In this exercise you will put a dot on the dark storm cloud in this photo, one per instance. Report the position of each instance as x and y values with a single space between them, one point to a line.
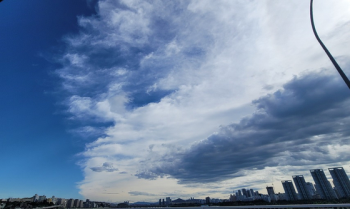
293 126
108 167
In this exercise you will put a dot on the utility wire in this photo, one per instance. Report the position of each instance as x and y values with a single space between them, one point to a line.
340 71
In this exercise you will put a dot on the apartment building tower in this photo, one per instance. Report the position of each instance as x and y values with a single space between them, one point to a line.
323 187
340 181
303 190
289 190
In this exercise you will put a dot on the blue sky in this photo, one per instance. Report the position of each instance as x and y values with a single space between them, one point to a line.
139 100
37 149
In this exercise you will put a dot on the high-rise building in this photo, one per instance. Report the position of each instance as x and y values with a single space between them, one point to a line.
323 187
54 200
233 198
271 193
340 181
76 203
311 188
36 198
70 203
61 201
270 190
303 191
249 194
207 200
244 191
252 192
87 204
168 201
289 190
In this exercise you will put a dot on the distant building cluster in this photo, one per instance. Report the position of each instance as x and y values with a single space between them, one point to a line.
322 189
192 201
251 195
67 203
166 202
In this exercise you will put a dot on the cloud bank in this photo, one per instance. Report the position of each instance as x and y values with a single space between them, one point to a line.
189 95
304 124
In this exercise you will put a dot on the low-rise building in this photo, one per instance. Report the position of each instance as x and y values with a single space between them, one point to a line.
27 199
42 198
14 200
2 205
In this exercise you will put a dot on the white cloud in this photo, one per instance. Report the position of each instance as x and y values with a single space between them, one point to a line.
169 74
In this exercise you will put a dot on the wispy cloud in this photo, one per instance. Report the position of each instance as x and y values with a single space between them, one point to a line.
88 131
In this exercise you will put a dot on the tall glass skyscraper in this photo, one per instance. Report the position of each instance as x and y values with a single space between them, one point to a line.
323 187
289 190
340 181
302 188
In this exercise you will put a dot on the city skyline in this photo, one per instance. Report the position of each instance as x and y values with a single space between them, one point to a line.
133 100
299 191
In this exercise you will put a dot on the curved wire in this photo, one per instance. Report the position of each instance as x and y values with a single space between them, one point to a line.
340 71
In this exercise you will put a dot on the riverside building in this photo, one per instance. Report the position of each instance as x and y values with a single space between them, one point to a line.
302 187
289 190
340 181
323 187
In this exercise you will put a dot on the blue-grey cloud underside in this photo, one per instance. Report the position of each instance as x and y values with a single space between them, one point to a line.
290 127
107 167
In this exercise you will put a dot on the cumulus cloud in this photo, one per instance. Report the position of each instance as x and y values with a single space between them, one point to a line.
174 81
108 167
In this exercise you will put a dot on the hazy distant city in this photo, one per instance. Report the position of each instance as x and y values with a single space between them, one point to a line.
321 189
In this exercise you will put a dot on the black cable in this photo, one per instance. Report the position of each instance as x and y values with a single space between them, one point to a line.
340 71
